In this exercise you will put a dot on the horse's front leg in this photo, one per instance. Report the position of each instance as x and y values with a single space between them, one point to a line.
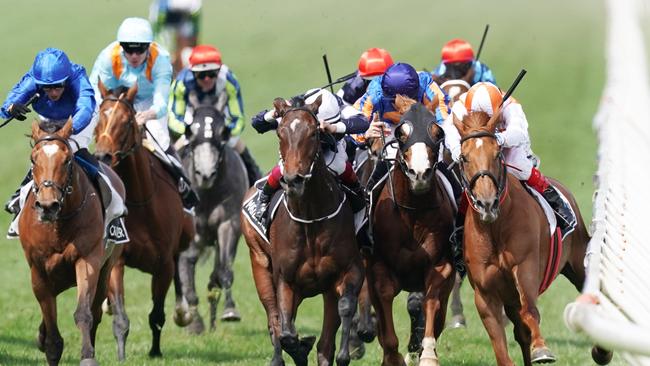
187 273
229 233
287 305
121 322
182 314
87 272
331 322
490 307
49 339
457 316
160 282
438 285
348 292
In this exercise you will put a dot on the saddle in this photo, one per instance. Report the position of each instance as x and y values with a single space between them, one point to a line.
251 206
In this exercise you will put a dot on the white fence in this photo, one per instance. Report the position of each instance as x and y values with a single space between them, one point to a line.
614 308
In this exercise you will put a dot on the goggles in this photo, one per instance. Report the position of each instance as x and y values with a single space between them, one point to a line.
131 48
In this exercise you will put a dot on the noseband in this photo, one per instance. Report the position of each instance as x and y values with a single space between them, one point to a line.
67 188
121 154
500 182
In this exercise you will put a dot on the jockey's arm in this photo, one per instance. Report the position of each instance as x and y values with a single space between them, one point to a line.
352 121
103 68
516 126
438 100
264 121
235 105
483 73
20 93
85 106
176 107
452 137
162 78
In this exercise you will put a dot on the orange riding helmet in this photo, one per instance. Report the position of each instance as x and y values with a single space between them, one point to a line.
204 58
457 50
374 62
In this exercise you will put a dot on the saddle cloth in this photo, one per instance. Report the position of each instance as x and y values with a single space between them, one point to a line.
114 210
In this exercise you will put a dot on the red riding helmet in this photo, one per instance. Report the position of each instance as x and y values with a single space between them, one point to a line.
205 57
374 62
457 50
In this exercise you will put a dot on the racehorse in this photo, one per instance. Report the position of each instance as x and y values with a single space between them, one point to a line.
507 244
312 246
158 227
412 221
218 174
61 231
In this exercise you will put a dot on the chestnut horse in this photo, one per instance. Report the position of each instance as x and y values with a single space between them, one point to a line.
412 221
61 230
507 243
312 246
158 227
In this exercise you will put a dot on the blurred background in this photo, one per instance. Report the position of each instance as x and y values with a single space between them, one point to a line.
275 49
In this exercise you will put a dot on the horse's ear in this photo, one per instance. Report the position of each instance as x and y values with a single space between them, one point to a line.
102 88
313 107
492 122
460 126
402 103
281 106
36 130
130 94
66 131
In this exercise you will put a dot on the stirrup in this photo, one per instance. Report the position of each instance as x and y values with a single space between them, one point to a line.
13 205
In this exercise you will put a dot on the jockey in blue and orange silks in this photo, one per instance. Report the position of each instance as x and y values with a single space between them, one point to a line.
400 78
135 58
457 60
64 92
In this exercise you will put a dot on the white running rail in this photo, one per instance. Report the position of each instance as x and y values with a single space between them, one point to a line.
614 308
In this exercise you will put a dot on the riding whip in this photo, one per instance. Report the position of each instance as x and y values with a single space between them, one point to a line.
327 70
480 47
29 102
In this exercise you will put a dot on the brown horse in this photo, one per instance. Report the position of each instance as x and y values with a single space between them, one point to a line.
158 227
61 231
507 243
312 244
412 222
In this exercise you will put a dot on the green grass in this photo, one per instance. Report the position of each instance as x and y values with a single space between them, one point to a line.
275 49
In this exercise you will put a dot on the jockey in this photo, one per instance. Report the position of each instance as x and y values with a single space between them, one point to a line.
208 76
64 92
334 118
372 63
458 59
512 136
174 19
135 58
378 100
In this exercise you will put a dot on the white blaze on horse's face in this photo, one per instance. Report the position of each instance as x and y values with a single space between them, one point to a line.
50 150
205 167
419 158
479 143
294 124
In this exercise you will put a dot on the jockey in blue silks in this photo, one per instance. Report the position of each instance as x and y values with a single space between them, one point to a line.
64 92
135 58
458 59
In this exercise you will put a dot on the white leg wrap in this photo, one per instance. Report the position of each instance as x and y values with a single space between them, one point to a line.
428 350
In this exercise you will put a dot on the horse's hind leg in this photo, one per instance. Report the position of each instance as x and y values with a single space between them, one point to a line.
182 314
457 316
229 233
347 304
121 322
367 322
187 273
49 338
88 274
160 282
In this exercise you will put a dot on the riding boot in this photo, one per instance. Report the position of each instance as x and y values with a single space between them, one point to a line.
263 200
12 206
254 173
381 169
456 241
566 219
188 196
358 199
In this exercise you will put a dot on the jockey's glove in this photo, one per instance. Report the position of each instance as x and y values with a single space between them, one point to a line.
500 139
18 111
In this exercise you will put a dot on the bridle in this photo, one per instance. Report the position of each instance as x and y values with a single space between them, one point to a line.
309 173
66 189
123 151
209 133
501 182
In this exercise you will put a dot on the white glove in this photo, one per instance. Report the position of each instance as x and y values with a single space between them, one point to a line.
500 139
455 154
270 116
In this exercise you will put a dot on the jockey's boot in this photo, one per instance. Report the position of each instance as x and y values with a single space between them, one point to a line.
564 213
263 200
351 182
456 241
12 206
254 173
188 196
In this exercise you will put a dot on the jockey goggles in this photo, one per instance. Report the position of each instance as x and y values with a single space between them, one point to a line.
53 86
134 47
200 75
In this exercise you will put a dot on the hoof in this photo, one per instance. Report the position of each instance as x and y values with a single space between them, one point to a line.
40 341
367 335
88 362
230 315
542 355
307 343
197 326
429 362
457 322
182 317
106 308
412 358
155 354
357 350
601 356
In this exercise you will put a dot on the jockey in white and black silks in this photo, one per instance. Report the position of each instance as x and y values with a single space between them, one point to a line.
335 119
64 92
208 77
135 58
512 136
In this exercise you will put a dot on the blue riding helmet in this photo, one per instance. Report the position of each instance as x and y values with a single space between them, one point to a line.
401 78
51 66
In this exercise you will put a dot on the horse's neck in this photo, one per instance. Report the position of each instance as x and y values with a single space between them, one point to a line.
136 173
321 195
80 186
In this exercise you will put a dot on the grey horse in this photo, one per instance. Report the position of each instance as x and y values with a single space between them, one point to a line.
218 174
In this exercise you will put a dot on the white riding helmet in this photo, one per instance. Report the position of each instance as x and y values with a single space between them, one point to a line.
135 30
329 110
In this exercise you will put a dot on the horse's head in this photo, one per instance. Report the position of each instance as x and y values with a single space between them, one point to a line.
117 134
419 138
299 135
483 170
52 160
207 136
